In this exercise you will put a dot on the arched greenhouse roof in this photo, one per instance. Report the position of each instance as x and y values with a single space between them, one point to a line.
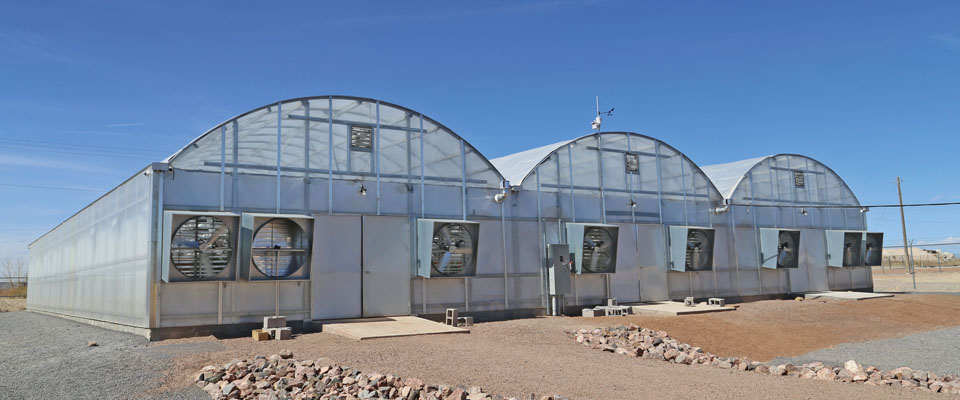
777 178
296 134
518 166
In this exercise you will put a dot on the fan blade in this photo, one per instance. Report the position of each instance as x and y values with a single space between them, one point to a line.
593 260
444 261
462 250
216 235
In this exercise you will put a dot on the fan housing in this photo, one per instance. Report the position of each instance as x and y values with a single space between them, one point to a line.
199 246
447 248
780 248
594 247
691 248
276 246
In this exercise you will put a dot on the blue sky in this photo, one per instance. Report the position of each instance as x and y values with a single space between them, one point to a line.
872 89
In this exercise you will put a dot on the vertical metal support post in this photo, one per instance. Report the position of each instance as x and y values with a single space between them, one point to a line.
463 178
155 276
665 231
544 289
423 200
306 156
220 302
223 161
377 160
503 243
736 252
276 298
573 197
279 137
756 233
686 217
235 190
603 199
774 175
330 155
633 213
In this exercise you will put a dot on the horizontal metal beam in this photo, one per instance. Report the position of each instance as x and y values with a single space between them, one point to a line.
597 189
357 123
642 153
349 173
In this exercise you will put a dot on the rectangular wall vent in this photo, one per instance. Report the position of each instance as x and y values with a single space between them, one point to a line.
632 163
361 138
798 179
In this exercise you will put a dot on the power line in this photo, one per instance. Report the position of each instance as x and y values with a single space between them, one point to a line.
860 207
73 145
52 188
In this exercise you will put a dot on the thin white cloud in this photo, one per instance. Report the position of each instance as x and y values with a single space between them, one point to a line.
36 45
947 40
123 125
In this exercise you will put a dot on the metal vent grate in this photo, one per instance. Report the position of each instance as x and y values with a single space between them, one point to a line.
280 247
361 137
201 247
632 162
798 179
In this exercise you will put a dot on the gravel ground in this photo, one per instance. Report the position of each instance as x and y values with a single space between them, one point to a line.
928 280
48 358
511 358
935 351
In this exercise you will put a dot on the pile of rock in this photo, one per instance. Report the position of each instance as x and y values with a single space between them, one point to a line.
641 342
281 377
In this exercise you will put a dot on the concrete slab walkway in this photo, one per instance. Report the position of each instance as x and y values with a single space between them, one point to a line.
371 328
675 308
847 295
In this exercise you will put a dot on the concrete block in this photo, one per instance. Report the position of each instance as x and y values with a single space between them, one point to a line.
452 317
716 301
689 302
281 333
465 321
593 312
274 322
611 302
260 335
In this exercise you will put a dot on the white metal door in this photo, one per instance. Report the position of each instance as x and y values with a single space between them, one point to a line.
386 266
336 277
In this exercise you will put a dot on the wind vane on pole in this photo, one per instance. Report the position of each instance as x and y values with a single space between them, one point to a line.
598 120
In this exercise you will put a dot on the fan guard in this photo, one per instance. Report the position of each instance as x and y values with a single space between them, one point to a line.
597 250
201 247
279 248
787 247
452 250
698 250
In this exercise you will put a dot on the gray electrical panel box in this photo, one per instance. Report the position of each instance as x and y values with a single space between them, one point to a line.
558 255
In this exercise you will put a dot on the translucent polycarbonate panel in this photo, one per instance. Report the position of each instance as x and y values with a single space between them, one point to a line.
479 171
319 136
614 161
672 173
441 155
97 263
280 248
293 139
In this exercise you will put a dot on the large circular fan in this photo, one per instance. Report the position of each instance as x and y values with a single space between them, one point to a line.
201 247
787 256
279 248
452 251
698 250
874 247
597 250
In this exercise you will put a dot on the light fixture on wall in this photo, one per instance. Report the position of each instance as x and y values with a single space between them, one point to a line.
803 211
363 190
864 209
632 203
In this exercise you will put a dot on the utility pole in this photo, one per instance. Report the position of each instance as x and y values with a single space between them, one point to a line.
906 251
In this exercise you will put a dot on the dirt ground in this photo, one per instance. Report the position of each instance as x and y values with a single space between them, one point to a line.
928 280
536 356
8 304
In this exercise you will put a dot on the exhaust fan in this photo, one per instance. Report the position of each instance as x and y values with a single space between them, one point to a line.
594 247
844 248
447 248
780 248
691 248
276 247
199 247
873 249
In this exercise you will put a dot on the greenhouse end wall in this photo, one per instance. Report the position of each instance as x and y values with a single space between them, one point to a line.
97 264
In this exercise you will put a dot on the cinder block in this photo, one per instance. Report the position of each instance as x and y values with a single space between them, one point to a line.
611 302
274 322
260 335
689 302
716 301
452 317
281 333
465 321
593 312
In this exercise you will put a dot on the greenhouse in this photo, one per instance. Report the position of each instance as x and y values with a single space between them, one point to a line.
797 226
337 207
313 208
644 199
